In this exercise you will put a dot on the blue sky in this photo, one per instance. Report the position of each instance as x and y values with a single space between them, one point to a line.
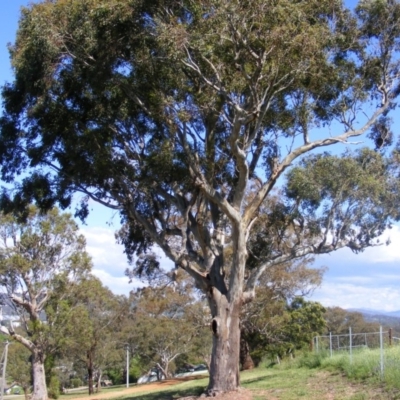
8 25
368 280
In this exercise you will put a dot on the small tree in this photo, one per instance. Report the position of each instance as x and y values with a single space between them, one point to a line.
306 321
264 320
160 326
40 262
19 368
92 325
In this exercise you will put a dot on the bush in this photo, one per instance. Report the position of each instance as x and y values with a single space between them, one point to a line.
116 375
135 370
76 382
54 388
306 360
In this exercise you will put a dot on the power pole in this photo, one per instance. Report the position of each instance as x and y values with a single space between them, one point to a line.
3 366
127 366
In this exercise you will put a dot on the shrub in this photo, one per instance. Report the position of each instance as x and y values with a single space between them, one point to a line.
311 360
54 388
76 382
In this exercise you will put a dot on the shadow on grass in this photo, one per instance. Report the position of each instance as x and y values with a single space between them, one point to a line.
259 379
171 394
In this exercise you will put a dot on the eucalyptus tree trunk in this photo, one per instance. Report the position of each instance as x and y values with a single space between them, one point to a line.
225 300
98 383
164 371
89 367
39 377
224 366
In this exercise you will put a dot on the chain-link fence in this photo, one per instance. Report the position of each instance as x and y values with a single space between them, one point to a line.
351 342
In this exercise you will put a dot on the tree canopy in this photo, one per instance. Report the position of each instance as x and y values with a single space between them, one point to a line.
185 115
41 260
93 322
268 322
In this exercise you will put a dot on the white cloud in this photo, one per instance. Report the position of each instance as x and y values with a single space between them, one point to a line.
118 285
349 295
367 280
356 280
388 253
372 255
109 260
107 255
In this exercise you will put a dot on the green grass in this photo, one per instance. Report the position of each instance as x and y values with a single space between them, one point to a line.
311 376
365 365
189 388
74 394
285 382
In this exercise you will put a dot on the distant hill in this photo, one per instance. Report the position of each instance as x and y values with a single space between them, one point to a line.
388 319
366 311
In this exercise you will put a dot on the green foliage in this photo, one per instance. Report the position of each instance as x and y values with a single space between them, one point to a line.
135 370
76 382
44 259
93 320
19 365
166 326
338 321
343 190
310 359
116 375
54 388
49 364
306 321
282 329
161 329
107 103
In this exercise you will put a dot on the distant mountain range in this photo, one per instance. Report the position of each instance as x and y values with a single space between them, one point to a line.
385 318
369 312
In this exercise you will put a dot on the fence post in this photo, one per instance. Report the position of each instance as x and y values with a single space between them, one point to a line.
330 342
381 349
316 344
390 336
351 346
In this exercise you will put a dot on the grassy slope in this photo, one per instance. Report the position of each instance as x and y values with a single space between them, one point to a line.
311 377
284 384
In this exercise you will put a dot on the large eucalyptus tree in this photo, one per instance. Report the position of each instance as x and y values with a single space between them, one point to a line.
174 112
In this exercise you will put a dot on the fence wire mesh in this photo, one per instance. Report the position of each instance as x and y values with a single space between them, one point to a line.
345 342
382 341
